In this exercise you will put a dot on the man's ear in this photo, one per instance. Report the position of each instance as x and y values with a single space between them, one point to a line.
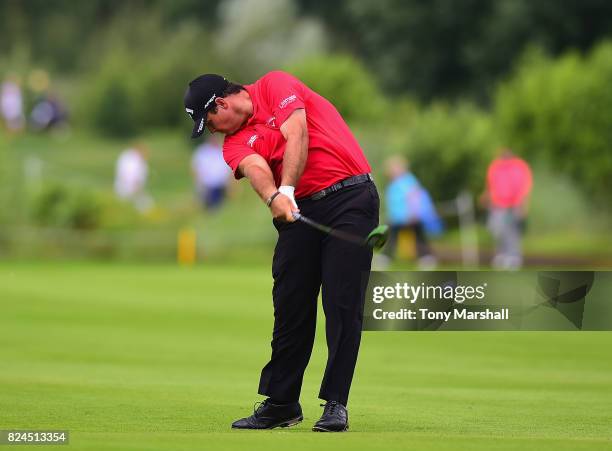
221 102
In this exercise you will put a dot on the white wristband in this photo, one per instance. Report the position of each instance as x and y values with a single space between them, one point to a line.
288 191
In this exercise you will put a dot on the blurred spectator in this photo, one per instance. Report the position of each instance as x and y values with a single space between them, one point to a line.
211 173
131 177
409 207
47 113
11 104
509 183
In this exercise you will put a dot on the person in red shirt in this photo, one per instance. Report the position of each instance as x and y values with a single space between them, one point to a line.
299 156
509 183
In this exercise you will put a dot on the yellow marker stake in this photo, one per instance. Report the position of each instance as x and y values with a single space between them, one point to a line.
406 245
186 251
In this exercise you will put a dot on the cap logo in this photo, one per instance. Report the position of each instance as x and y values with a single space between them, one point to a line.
214 96
201 126
190 112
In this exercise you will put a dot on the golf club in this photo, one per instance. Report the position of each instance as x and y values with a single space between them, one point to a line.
376 238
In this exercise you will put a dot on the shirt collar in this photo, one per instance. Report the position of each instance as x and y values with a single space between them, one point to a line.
254 101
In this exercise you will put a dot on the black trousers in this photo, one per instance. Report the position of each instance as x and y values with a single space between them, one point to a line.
305 261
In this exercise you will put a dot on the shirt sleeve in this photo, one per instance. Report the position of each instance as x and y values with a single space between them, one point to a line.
234 153
284 94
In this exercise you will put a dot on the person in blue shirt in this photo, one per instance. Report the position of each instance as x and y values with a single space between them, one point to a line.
409 206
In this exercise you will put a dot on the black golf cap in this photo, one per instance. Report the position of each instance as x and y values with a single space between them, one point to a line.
200 99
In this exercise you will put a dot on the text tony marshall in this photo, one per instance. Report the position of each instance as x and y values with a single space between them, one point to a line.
423 313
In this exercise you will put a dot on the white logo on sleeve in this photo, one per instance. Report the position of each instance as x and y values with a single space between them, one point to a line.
287 101
252 140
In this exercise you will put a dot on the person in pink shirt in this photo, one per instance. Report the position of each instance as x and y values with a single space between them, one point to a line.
509 183
299 155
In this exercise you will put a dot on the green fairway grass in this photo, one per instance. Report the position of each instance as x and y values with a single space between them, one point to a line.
151 357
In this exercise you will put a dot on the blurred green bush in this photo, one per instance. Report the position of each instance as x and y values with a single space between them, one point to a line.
560 111
448 147
138 78
58 206
345 82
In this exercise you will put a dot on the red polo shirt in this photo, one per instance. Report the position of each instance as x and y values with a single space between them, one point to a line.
509 181
333 151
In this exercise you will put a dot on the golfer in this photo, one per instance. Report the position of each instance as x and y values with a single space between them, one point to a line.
300 156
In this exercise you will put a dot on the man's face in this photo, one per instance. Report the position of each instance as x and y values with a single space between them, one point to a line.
226 119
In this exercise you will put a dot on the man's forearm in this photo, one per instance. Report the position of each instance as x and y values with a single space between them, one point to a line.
260 175
294 159
262 181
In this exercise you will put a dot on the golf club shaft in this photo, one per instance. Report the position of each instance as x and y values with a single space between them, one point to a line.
333 232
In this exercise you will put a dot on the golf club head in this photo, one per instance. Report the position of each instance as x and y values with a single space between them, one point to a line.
378 237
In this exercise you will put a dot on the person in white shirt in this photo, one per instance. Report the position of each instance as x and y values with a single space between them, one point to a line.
131 177
11 104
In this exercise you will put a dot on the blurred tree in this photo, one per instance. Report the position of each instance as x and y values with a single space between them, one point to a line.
204 12
344 81
137 73
448 148
439 48
254 41
450 48
560 111
56 32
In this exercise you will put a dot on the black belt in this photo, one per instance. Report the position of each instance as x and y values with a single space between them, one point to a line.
355 180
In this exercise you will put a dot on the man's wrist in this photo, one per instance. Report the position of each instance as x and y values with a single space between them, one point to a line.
288 191
270 199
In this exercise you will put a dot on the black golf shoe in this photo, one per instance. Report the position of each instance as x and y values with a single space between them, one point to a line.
334 418
267 415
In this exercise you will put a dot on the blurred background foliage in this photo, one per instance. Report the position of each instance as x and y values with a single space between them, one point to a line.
560 110
443 82
450 48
